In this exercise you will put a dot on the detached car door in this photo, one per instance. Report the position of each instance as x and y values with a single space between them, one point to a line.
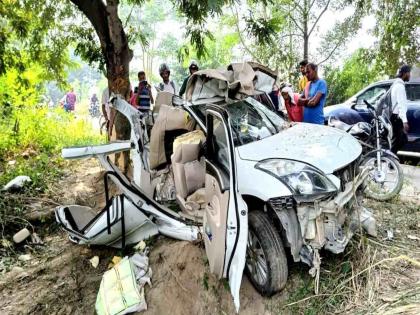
226 215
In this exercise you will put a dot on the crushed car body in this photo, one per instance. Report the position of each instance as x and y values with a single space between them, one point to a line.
246 181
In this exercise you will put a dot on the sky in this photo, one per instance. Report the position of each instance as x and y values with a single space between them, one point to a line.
363 38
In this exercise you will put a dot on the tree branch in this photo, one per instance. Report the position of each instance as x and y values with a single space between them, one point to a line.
296 23
319 16
95 11
288 35
330 54
297 5
311 5
240 34
129 15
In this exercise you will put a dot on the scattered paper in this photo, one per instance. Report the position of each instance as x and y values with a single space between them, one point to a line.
25 257
114 261
414 238
94 261
140 246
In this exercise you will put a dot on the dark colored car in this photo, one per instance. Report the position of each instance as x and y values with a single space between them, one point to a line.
372 93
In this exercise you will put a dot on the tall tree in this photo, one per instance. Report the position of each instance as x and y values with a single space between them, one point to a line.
398 33
114 45
34 30
113 41
293 23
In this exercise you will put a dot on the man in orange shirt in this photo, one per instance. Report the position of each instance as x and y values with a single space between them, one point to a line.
303 80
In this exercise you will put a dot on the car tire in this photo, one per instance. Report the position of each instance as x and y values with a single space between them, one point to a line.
265 252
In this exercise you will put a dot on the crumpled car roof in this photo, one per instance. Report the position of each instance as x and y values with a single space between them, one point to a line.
238 81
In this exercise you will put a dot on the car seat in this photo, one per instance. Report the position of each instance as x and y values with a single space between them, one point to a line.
189 172
170 123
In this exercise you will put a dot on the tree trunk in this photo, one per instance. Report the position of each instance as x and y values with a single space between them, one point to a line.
114 44
305 30
117 55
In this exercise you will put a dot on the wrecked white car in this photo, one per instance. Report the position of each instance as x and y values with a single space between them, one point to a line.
243 179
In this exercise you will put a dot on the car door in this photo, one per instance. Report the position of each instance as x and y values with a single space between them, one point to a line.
413 117
225 219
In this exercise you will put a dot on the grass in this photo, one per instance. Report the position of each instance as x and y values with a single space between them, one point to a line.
374 275
31 143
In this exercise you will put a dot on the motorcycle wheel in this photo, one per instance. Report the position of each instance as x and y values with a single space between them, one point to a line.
392 178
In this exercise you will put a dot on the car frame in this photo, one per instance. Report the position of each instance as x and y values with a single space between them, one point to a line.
254 209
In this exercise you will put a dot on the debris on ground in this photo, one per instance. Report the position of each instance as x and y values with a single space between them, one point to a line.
140 246
114 261
389 235
122 287
28 153
35 239
413 237
94 261
17 183
25 257
22 235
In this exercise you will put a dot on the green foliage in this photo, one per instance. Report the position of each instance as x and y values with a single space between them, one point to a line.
27 124
398 34
357 72
263 29
34 30
196 13
219 51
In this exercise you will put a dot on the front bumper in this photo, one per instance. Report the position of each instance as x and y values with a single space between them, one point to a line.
332 223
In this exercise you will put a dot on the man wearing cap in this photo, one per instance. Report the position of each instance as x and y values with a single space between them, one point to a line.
167 85
399 108
192 68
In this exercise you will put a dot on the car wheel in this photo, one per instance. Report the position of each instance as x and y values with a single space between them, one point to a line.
392 178
266 261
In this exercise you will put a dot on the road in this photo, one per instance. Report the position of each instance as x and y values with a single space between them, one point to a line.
411 188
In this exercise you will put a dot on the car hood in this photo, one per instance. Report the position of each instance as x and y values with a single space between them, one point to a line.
326 148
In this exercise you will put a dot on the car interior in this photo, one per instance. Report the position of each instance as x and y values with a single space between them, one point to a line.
176 158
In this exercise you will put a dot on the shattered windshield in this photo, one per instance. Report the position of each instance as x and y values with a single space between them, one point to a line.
251 121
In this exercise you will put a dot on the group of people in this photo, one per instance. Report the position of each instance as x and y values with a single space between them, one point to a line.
307 105
142 97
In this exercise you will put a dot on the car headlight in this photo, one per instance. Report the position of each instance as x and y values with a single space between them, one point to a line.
301 178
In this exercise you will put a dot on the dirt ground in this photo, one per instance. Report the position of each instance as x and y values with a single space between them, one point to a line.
373 276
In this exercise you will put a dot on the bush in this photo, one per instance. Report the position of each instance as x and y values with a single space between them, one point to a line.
44 133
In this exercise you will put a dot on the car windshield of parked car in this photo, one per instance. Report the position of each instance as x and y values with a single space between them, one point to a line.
251 121
372 95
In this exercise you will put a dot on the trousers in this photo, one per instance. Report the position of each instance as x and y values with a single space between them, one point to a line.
399 138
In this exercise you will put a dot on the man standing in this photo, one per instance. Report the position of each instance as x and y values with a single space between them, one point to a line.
70 104
314 103
166 85
303 80
399 108
144 93
192 68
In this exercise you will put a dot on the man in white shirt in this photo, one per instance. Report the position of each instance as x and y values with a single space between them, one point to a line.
399 108
167 85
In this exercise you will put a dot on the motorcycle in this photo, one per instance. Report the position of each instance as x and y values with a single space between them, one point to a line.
385 178
94 108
